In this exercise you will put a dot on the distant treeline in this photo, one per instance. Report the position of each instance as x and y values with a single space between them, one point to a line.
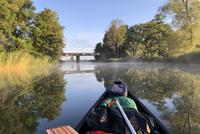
174 31
21 29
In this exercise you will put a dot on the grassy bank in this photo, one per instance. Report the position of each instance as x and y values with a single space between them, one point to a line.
20 60
191 57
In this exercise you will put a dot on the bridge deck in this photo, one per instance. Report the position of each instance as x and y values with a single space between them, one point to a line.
79 54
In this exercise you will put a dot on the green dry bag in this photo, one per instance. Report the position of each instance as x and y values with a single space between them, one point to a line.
124 101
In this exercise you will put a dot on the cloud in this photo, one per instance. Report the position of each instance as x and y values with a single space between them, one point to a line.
82 41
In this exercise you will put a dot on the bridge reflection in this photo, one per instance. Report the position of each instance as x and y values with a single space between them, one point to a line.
78 68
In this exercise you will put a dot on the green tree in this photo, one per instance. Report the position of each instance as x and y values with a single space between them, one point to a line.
186 20
148 39
16 21
48 35
98 50
114 38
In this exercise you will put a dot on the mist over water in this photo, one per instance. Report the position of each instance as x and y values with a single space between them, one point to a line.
63 96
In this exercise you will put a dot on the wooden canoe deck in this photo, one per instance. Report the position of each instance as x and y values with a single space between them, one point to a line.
62 130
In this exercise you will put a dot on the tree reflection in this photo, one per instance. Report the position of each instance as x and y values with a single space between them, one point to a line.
161 86
39 99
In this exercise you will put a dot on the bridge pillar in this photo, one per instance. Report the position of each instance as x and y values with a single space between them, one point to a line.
78 67
72 58
78 58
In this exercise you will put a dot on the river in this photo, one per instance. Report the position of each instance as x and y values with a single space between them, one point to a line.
31 102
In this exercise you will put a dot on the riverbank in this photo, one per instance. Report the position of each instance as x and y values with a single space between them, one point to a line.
193 57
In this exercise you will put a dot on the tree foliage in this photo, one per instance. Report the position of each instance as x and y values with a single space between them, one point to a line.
186 20
158 38
48 35
141 40
113 39
99 51
21 29
148 39
15 24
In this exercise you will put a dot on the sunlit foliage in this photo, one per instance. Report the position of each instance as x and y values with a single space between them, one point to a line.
173 32
21 29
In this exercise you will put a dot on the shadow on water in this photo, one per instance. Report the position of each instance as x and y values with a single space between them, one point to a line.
172 92
22 105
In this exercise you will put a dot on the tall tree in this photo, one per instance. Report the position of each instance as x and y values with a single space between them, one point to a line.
98 50
186 20
16 20
115 37
24 26
148 39
48 35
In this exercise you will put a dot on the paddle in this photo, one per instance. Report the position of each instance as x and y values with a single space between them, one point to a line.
125 117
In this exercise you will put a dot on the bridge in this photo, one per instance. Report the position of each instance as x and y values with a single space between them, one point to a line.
77 55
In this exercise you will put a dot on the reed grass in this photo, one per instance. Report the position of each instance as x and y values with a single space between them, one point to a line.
19 68
20 60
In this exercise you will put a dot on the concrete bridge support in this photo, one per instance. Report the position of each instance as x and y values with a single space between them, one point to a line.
78 58
78 67
72 58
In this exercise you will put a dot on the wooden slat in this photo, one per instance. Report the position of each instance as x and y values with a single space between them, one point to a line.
62 130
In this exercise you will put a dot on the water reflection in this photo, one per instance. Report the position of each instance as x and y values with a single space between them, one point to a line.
31 102
173 92
21 108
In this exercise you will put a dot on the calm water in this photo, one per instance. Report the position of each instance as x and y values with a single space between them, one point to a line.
31 102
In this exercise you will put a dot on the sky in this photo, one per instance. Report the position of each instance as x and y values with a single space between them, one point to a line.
86 21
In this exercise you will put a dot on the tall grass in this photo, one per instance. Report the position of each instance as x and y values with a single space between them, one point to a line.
16 60
19 69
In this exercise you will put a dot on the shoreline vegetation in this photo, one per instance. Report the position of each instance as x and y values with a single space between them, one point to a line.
28 38
21 60
192 58
171 36
19 68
